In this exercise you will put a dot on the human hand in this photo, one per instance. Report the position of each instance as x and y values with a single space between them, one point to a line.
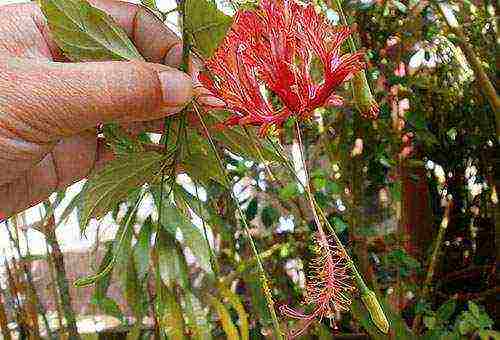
49 107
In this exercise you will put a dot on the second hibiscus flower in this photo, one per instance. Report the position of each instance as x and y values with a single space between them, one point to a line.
274 48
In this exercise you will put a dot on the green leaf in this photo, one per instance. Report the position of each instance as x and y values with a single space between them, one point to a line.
123 237
86 33
172 219
75 203
251 210
111 185
339 225
269 216
197 318
109 307
172 320
141 249
172 265
224 318
206 24
319 182
333 188
429 322
235 301
474 309
400 6
200 162
446 310
489 335
245 143
289 191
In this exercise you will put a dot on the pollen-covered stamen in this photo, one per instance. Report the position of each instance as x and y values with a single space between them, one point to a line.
329 284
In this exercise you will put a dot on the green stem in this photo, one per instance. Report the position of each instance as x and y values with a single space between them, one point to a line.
264 279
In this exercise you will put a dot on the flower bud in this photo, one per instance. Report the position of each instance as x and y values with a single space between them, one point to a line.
376 313
365 102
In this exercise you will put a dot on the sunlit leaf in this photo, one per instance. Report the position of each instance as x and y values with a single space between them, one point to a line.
172 219
86 33
172 320
112 184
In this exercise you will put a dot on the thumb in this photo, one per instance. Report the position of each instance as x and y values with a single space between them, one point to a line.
44 101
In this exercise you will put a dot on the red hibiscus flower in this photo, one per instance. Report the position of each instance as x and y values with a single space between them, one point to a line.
274 48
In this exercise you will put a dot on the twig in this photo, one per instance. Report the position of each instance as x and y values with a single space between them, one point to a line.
485 84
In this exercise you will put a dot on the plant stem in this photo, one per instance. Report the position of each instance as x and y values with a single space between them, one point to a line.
54 292
61 277
485 84
3 319
264 279
433 261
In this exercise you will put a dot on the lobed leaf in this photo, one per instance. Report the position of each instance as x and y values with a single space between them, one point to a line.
113 184
85 33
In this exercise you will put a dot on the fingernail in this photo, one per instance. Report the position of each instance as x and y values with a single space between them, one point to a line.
177 88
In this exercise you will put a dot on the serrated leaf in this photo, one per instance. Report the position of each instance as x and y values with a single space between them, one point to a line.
206 24
123 237
86 33
111 185
200 162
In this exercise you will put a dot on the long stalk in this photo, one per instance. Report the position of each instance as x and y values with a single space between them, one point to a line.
367 296
264 279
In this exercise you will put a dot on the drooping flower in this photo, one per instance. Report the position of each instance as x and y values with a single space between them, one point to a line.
275 48
328 288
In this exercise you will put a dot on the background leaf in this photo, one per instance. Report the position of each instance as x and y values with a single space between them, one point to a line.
206 24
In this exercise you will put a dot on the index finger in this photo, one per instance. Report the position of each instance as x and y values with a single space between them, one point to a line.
152 38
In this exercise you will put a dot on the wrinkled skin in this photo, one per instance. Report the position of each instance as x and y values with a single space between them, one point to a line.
50 107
